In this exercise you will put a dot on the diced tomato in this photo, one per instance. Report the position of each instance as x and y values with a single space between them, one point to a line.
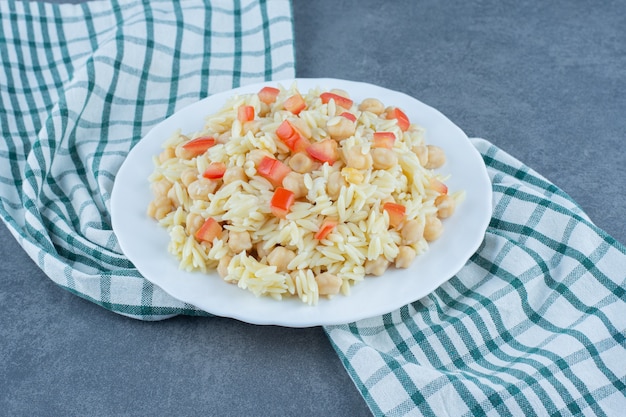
198 146
291 137
342 101
349 116
438 186
326 227
281 202
324 151
268 94
209 230
384 139
295 104
273 170
396 213
401 117
214 171
245 113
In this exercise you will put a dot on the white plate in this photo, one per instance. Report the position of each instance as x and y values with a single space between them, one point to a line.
145 243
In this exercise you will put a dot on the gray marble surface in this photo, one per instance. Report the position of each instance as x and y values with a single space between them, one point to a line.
544 81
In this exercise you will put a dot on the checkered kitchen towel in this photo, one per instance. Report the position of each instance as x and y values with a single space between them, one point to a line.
534 324
79 86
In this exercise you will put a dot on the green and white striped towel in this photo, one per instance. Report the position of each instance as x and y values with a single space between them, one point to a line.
80 85
534 324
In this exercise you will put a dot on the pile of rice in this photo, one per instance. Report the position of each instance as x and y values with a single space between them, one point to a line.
362 233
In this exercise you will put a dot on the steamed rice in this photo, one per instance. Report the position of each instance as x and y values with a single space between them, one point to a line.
362 235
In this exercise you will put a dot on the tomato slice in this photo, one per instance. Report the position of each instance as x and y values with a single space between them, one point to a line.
342 101
268 94
324 151
295 104
291 137
384 139
245 113
326 227
281 202
209 230
436 185
349 116
214 171
396 213
198 146
401 117
273 170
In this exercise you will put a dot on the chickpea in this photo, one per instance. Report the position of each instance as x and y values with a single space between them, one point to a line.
328 284
173 196
353 176
183 153
372 105
188 176
168 153
412 231
201 188
260 250
300 162
224 137
193 222
233 174
422 154
335 182
445 206
376 266
294 182
436 157
160 207
340 128
384 158
161 187
222 266
302 126
280 258
433 228
355 158
256 155
239 241
339 92
264 109
253 126
405 257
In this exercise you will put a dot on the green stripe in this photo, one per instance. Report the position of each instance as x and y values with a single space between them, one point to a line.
14 104
144 75
206 62
237 38
18 47
89 25
51 67
34 58
176 62
266 40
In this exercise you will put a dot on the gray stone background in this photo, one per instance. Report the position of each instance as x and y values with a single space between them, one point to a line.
544 81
